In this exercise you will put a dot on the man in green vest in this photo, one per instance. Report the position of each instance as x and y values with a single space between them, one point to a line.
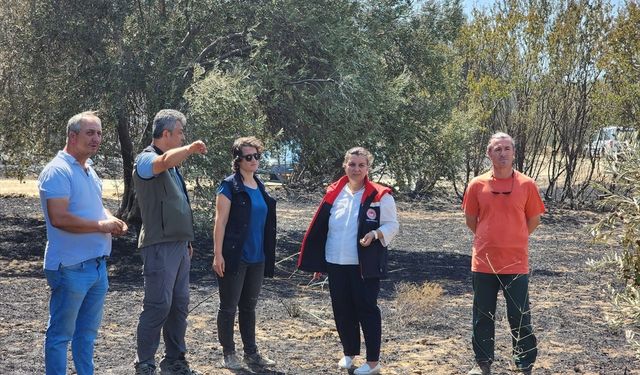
165 244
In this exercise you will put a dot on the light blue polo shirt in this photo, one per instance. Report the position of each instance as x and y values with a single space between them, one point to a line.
64 177
144 167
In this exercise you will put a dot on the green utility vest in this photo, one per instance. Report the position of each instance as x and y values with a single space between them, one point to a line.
164 207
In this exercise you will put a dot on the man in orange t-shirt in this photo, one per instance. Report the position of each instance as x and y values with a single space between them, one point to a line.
502 208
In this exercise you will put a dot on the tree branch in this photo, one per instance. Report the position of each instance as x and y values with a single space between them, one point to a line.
235 52
209 49
312 80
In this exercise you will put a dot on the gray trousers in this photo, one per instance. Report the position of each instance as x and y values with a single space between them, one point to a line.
166 300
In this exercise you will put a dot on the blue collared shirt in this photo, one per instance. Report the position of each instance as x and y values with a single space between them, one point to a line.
144 167
64 177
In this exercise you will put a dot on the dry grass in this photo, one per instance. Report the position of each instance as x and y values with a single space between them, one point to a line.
412 300
111 189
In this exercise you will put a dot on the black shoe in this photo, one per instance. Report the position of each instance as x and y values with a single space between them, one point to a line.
145 369
176 367
525 370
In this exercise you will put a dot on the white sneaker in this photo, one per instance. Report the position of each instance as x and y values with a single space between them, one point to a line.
346 362
366 370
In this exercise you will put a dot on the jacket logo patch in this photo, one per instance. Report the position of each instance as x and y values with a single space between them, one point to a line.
371 214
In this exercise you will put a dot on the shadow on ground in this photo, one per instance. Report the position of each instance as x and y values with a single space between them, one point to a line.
23 240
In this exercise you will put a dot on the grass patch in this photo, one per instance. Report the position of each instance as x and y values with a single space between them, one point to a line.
413 300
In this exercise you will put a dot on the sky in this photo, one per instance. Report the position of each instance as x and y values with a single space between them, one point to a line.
470 4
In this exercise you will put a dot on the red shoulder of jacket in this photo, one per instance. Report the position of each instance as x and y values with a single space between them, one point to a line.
334 189
380 190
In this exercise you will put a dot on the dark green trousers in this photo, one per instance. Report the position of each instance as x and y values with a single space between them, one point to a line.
515 289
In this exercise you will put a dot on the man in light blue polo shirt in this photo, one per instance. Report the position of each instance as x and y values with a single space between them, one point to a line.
79 231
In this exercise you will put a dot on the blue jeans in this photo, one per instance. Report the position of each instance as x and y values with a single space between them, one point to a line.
75 312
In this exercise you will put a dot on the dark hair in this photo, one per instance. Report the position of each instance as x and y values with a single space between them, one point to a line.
236 149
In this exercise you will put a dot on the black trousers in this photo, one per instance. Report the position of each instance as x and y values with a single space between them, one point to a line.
355 305
239 291
516 293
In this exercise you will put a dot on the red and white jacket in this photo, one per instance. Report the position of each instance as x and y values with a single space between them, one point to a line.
373 258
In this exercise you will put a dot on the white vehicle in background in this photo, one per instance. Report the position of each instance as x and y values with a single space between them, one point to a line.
279 163
611 140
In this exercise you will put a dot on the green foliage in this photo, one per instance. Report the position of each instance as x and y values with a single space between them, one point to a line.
223 107
321 84
322 76
622 223
418 85
54 63
622 65
533 69
421 91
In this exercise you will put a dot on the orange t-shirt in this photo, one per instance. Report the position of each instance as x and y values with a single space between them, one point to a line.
501 241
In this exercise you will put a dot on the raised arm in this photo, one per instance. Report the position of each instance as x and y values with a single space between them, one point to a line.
175 156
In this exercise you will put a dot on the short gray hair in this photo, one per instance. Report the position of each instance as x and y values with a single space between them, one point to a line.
501 135
74 123
166 120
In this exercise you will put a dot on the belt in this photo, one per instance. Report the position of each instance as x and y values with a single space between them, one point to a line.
82 264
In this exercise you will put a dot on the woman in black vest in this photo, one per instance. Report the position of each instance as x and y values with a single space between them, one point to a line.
243 250
348 239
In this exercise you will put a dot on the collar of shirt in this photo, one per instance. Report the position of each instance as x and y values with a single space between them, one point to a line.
71 160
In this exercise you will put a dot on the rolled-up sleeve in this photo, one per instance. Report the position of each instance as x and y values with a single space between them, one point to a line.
389 225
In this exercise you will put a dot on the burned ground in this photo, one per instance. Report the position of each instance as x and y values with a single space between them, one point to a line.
295 325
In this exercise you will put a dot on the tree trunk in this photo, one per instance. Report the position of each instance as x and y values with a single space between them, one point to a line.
129 210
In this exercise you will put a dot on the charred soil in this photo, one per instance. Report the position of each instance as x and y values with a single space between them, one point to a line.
295 325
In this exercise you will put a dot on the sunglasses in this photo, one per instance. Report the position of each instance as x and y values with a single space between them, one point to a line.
503 192
250 157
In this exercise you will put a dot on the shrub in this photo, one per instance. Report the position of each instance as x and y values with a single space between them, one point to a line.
622 224
621 199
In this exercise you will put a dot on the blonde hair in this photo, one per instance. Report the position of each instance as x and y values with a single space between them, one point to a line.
359 151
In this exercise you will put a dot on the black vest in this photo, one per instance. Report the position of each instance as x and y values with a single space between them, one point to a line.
235 232
164 207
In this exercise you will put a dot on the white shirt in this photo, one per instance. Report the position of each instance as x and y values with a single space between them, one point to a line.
342 241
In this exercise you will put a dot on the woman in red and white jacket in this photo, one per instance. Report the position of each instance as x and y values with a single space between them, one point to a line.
348 239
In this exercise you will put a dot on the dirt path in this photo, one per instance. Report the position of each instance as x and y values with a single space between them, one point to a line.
295 325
